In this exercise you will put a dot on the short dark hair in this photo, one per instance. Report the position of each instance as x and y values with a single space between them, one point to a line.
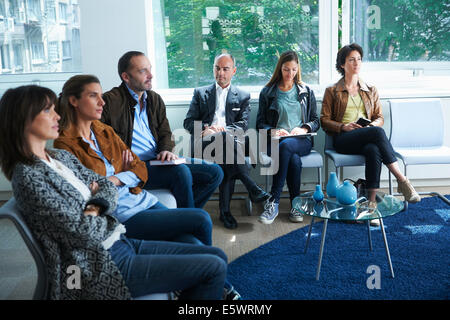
73 87
124 61
343 54
277 76
18 108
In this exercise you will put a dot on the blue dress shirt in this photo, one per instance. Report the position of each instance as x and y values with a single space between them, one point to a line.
143 142
129 203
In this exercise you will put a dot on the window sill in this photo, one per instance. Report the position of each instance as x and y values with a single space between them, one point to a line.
402 87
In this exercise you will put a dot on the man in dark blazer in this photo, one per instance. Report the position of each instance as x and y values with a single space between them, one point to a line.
221 111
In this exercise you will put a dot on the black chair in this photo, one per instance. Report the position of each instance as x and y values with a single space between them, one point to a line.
9 211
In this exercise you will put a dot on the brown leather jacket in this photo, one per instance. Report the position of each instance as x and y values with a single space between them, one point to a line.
111 146
335 102
118 112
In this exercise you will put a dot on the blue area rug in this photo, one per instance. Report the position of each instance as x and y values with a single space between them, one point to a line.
419 243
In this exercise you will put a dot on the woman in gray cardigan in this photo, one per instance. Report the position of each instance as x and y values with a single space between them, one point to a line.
68 208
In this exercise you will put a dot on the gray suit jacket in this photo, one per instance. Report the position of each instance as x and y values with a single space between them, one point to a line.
53 210
203 108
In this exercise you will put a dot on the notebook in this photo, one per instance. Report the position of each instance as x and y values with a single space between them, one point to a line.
309 134
167 163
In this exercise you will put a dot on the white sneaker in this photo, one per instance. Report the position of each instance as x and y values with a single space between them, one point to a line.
270 212
295 216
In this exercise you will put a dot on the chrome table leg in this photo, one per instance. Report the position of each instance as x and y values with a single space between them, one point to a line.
387 247
322 243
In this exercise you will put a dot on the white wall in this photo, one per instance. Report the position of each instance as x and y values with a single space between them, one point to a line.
109 29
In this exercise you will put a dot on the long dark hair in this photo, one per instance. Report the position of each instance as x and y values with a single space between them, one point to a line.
73 87
277 74
18 108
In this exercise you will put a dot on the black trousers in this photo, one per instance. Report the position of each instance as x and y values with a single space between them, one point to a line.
372 143
237 169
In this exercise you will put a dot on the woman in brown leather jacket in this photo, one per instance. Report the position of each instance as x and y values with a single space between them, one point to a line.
343 105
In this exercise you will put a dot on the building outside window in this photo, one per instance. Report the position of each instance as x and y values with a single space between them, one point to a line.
53 51
4 51
2 8
50 10
34 39
63 12
34 10
37 52
66 50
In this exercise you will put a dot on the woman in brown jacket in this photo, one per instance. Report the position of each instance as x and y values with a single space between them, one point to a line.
344 105
100 149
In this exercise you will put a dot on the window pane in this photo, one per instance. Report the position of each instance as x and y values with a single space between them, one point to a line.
33 40
402 30
255 32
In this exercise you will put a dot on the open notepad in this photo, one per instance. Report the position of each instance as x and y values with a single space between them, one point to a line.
309 134
167 163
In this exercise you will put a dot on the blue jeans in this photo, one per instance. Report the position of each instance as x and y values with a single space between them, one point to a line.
157 266
189 225
192 184
290 166
186 225
372 143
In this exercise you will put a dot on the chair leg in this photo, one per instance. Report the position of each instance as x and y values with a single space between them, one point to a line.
405 202
319 173
391 188
248 204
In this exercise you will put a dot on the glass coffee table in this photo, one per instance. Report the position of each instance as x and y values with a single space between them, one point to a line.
330 209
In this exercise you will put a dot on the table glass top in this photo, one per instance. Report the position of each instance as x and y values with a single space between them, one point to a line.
387 205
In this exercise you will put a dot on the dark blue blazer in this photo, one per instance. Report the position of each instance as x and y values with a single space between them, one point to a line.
203 108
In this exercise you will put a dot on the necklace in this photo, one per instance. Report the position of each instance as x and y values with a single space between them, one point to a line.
358 107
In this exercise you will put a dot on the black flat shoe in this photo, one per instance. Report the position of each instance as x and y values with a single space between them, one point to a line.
228 220
258 195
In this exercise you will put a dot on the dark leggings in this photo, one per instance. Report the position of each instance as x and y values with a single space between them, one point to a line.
372 143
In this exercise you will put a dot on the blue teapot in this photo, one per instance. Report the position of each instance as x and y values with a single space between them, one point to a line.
346 193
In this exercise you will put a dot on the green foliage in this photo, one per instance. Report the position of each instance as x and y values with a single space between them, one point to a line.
256 39
410 30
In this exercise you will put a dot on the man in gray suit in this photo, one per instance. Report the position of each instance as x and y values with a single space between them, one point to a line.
221 111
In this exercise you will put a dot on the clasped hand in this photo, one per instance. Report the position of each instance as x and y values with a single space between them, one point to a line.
209 130
350 126
284 133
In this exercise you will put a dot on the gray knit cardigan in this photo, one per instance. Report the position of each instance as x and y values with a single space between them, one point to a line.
53 210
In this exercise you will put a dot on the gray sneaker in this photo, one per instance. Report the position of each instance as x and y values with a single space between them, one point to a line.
295 216
270 212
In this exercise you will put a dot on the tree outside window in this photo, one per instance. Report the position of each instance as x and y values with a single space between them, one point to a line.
255 32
